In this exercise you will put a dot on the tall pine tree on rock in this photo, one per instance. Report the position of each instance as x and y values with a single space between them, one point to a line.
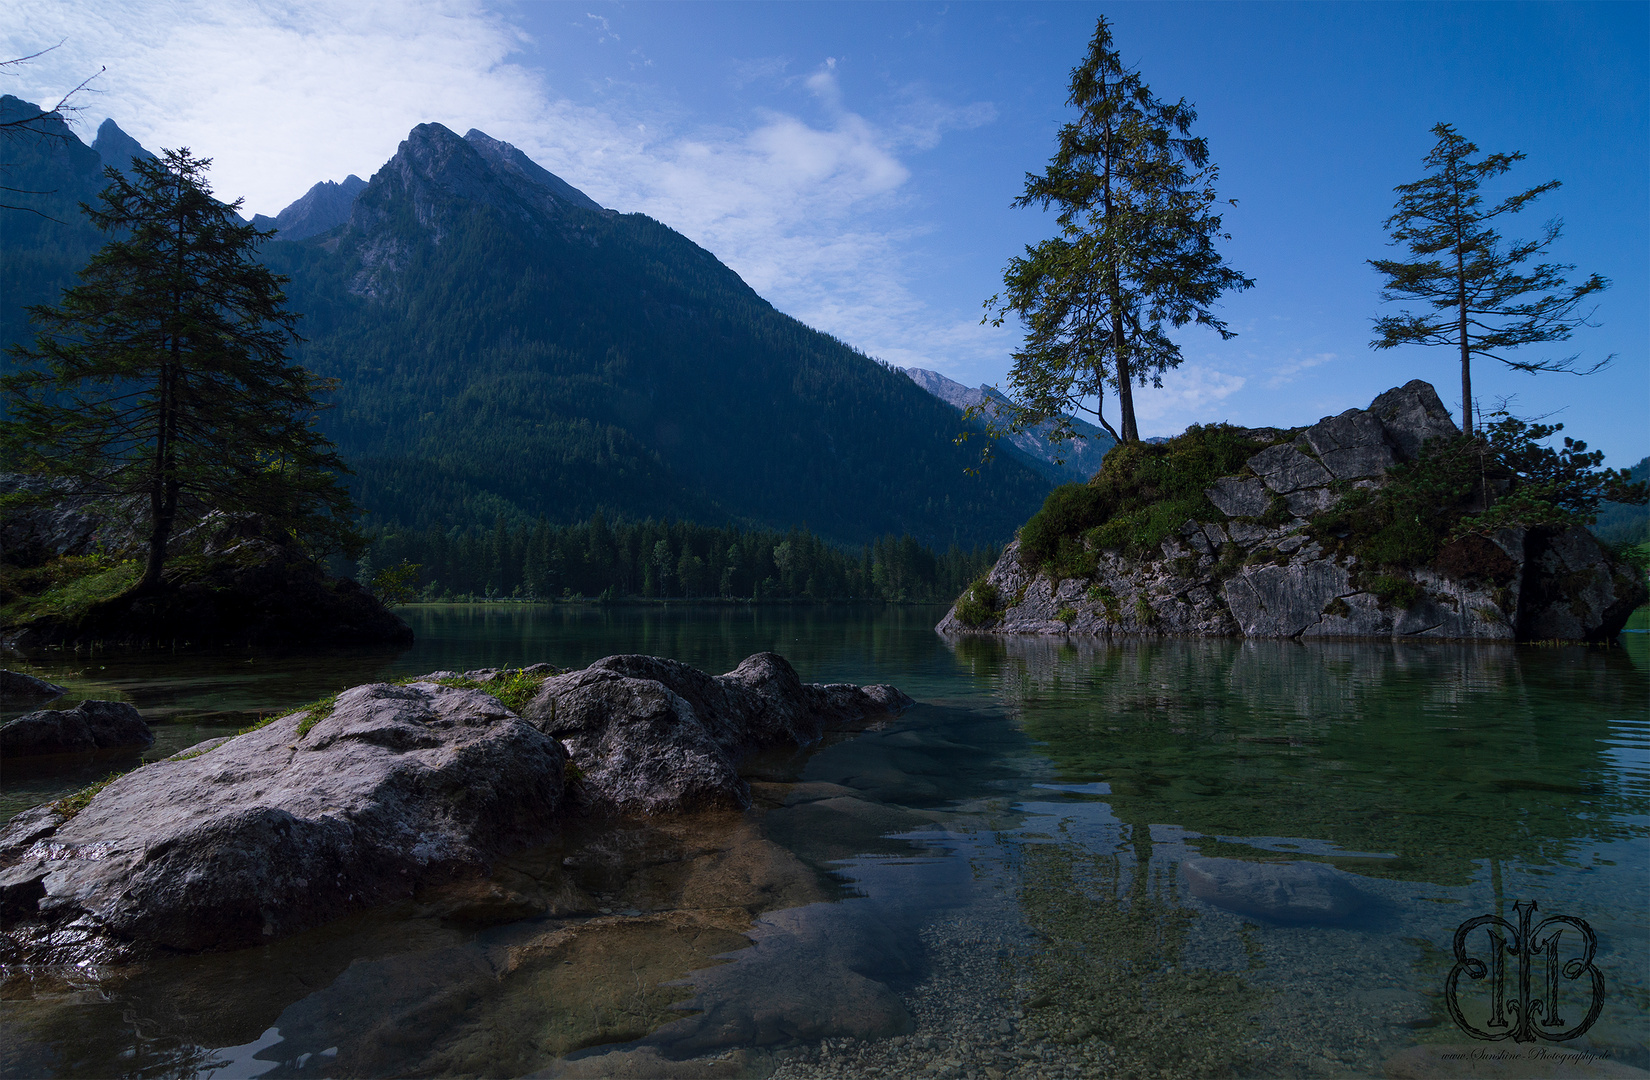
1484 299
164 374
1135 255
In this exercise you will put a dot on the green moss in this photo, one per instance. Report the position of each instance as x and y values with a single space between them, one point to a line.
1067 615
64 588
1143 610
1338 607
977 606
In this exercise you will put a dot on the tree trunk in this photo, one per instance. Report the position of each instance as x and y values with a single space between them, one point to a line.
1125 390
1466 369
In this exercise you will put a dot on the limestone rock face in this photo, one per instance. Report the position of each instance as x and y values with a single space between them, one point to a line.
1410 415
91 725
1245 575
279 830
650 735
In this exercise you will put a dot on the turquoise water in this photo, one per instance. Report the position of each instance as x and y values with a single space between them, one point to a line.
1004 880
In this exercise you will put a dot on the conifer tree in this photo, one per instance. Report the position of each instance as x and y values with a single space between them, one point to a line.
164 374
1135 255
1471 278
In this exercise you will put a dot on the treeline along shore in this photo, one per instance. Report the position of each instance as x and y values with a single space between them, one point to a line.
663 559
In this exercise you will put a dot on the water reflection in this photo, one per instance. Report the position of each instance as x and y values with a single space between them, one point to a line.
1038 868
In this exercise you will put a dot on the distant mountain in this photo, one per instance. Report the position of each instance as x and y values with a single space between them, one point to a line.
324 206
507 349
1062 463
1621 523
116 148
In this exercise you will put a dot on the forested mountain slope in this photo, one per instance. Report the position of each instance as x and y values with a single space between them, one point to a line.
507 347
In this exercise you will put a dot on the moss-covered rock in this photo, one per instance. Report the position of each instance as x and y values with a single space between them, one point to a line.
1383 522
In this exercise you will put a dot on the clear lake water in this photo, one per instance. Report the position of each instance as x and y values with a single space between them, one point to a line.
1071 857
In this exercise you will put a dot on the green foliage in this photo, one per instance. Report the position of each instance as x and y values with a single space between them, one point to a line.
977 606
1395 589
164 372
64 588
396 584
514 689
1471 279
1066 614
1106 597
1135 255
1142 494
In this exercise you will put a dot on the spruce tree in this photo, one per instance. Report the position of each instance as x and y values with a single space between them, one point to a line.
163 375
1135 255
1473 280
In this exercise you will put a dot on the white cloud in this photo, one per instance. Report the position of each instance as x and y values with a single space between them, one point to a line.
1190 395
281 95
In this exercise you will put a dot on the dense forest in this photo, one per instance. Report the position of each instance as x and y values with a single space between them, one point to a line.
503 346
666 559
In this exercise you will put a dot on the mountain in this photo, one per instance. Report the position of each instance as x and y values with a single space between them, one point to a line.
116 149
1624 523
324 206
1062 463
506 348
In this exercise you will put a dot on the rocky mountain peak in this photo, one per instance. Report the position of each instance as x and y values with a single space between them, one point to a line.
509 161
324 206
116 148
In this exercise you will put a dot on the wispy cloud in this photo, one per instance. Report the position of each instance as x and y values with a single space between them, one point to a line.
810 206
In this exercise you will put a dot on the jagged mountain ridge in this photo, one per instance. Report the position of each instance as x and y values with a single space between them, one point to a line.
506 348
1071 462
325 206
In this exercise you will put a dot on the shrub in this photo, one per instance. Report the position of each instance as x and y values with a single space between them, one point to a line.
978 604
1106 596
1066 615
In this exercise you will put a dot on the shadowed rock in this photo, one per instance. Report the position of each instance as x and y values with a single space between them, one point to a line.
16 686
282 829
651 735
91 725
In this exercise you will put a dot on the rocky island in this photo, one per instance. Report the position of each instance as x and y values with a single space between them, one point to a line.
1377 523
69 561
387 788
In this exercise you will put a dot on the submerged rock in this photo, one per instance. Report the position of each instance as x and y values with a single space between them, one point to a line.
650 735
283 828
89 726
1266 569
1291 892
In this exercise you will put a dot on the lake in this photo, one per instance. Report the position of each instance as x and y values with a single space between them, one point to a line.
1071 857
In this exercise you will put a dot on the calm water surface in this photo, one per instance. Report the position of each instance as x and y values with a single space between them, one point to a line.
1005 878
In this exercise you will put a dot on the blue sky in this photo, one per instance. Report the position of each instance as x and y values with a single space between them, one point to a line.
855 162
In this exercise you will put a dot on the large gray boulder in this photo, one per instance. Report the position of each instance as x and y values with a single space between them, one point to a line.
649 735
282 828
89 726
